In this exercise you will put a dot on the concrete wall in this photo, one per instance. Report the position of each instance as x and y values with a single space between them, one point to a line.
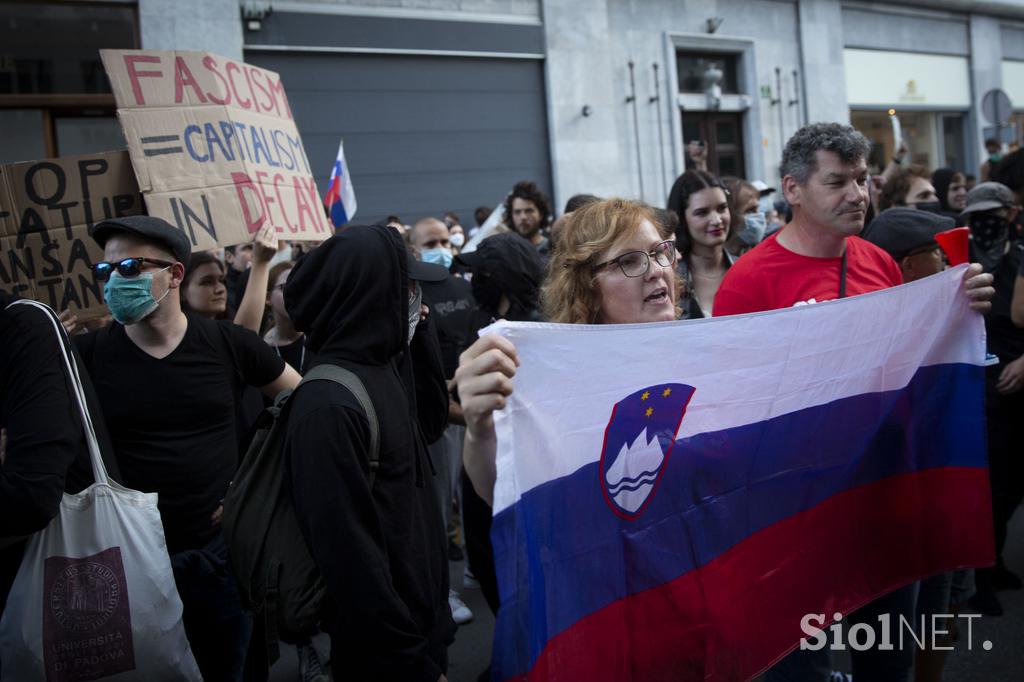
514 8
877 27
213 25
986 73
589 46
820 23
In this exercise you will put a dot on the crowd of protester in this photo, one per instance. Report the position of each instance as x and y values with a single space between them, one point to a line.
200 343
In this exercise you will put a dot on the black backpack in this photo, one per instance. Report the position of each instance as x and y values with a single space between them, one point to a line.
277 577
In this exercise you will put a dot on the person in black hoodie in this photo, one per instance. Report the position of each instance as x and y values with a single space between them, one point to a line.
951 190
507 274
381 550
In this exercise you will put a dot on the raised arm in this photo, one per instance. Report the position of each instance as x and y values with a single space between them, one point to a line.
484 380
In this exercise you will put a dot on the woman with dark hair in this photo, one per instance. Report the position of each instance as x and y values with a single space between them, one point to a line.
204 290
951 189
705 225
749 223
289 343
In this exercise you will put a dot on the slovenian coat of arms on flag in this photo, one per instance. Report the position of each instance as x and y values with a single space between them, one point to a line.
340 197
637 445
673 498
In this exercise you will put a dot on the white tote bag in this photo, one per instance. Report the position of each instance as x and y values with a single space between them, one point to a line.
94 598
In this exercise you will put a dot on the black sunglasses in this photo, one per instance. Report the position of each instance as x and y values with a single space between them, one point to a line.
127 267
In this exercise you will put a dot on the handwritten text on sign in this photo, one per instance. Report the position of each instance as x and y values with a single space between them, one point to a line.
215 147
46 209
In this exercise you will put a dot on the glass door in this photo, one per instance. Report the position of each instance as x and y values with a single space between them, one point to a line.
722 133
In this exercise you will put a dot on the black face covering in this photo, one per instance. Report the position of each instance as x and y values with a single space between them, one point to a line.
989 233
931 207
487 292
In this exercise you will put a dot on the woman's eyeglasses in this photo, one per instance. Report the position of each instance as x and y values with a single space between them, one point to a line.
637 263
127 267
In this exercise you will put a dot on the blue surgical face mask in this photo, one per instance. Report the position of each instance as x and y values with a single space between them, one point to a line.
754 227
457 239
130 299
438 256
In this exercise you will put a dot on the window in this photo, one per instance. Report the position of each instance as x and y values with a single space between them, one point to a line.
692 66
54 95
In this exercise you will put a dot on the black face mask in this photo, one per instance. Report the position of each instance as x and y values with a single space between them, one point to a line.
486 292
930 206
989 232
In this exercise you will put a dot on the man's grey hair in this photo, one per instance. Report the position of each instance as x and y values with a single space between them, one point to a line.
799 158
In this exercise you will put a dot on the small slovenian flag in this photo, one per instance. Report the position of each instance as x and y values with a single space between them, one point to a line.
340 197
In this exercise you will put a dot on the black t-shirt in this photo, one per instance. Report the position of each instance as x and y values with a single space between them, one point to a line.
451 307
293 353
172 420
1004 338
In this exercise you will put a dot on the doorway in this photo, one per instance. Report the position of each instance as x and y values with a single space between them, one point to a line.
723 135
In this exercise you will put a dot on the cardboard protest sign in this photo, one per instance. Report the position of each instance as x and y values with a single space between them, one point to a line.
46 209
215 148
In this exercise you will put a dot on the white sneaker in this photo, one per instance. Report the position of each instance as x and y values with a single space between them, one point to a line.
469 580
460 612
310 666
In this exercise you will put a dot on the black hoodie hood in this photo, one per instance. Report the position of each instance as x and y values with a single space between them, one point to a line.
509 264
941 180
350 296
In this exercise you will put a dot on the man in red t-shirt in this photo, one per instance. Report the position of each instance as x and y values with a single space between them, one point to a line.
819 257
825 181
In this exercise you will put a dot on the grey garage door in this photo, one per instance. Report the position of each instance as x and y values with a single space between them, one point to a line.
423 134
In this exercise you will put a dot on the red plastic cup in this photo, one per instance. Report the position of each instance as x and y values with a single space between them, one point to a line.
954 243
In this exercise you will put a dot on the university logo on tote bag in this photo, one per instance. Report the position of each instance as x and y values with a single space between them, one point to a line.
94 598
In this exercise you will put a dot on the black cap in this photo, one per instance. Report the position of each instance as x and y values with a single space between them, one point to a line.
902 231
426 272
148 227
471 259
504 247
987 196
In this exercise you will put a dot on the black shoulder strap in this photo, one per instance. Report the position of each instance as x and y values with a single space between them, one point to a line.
342 376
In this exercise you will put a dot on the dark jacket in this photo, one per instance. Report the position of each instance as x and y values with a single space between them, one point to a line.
46 454
382 551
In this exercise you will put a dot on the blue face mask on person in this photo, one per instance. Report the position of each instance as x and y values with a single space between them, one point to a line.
130 299
754 227
438 256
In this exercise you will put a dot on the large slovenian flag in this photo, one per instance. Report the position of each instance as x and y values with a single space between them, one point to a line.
340 198
673 498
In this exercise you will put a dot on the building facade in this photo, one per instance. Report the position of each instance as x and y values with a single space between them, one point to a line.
444 104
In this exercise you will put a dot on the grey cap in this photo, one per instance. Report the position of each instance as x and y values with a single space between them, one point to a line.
904 231
987 196
148 227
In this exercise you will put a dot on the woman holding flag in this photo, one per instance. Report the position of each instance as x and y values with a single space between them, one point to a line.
614 264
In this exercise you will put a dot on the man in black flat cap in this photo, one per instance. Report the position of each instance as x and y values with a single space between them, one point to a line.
168 383
908 235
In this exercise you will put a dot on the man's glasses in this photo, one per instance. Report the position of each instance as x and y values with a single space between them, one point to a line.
127 267
637 263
